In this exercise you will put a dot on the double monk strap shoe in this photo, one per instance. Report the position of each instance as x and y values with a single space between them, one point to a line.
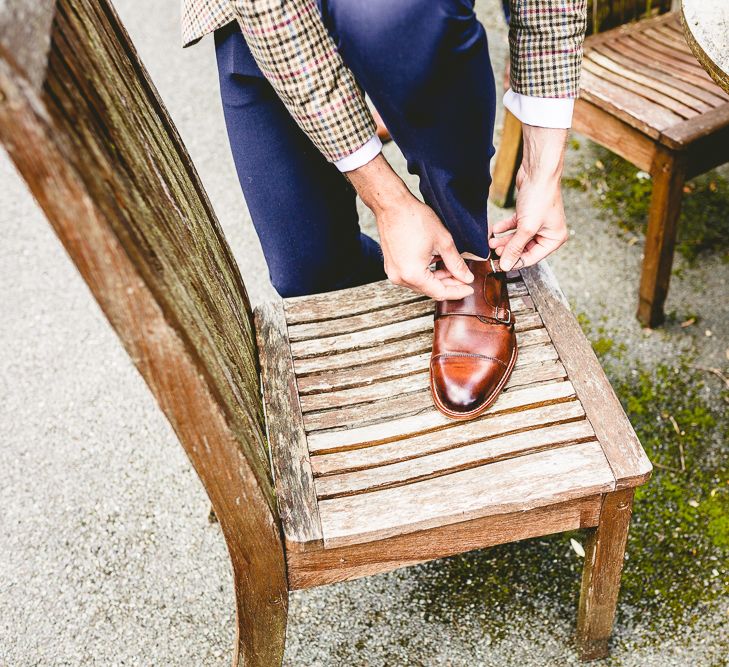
474 345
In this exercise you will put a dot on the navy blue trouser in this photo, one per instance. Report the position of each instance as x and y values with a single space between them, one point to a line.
425 65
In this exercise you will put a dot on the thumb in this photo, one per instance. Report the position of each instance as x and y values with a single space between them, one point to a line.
454 262
514 248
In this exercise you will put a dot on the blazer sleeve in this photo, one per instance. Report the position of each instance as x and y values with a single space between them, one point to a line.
545 42
298 57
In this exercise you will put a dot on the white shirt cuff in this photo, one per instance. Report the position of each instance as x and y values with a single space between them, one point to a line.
361 156
555 112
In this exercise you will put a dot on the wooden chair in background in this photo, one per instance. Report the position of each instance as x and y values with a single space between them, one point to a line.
643 96
356 483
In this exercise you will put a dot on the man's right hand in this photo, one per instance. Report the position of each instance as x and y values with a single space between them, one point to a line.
411 235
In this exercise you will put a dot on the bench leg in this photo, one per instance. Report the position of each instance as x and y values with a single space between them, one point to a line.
261 619
507 161
604 555
668 177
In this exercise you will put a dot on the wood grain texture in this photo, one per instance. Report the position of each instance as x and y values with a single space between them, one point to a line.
347 302
456 458
533 356
351 377
608 75
461 435
431 420
613 133
617 437
100 154
525 374
671 88
668 175
375 318
328 566
638 112
354 301
644 75
506 486
693 84
356 340
410 338
293 477
700 127
662 56
604 557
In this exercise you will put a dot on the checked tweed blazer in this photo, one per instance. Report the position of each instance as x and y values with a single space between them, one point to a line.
293 49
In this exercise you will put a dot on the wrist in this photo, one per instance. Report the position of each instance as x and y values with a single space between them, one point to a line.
379 187
543 154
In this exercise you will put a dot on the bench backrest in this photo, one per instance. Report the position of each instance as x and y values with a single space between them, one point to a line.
85 127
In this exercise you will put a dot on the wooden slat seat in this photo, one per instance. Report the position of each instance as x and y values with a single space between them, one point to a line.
647 76
362 457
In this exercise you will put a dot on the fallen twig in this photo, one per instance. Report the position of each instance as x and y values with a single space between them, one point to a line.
716 371
680 444
665 467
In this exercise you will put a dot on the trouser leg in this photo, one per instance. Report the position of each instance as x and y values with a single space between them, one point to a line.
426 67
302 208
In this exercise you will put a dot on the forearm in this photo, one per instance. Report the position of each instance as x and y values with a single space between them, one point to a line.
543 154
378 186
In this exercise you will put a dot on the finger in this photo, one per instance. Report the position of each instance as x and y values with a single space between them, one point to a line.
538 251
456 292
452 282
504 225
454 262
438 290
499 241
440 274
513 249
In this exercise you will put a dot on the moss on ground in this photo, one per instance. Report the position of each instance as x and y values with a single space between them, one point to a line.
678 550
623 193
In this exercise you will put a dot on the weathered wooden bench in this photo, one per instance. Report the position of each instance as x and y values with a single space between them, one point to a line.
364 475
644 96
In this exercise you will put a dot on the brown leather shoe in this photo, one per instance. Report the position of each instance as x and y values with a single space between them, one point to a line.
474 345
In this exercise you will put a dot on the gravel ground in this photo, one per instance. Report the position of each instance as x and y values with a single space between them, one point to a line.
106 554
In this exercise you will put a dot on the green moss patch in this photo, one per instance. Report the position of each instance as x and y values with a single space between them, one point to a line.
622 193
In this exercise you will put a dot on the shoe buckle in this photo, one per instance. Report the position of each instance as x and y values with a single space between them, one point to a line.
502 320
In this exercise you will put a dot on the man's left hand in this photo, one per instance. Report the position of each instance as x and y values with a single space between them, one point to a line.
539 222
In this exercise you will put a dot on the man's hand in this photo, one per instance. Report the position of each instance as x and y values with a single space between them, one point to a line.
410 235
539 221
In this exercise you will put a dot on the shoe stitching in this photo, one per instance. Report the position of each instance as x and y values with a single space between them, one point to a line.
475 355
476 411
